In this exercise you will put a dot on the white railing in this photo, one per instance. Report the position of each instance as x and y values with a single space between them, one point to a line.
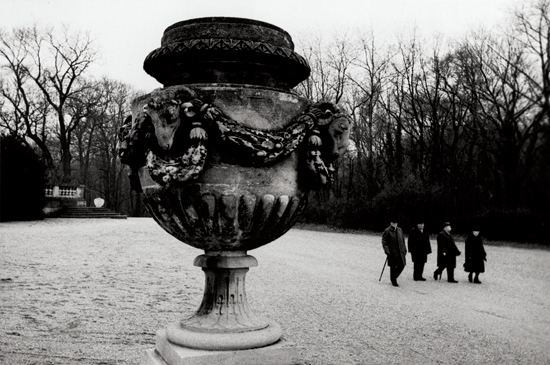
69 192
48 191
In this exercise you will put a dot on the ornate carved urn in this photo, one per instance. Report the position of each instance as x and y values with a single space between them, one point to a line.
225 154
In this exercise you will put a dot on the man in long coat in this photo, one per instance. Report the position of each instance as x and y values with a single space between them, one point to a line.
446 254
420 248
393 243
475 256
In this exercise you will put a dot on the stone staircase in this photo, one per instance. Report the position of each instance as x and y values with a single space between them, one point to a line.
89 212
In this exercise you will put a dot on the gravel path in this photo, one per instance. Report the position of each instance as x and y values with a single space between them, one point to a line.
95 291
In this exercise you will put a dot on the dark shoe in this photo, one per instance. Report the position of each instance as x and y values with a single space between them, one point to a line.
422 279
476 281
415 279
436 275
394 282
470 277
452 281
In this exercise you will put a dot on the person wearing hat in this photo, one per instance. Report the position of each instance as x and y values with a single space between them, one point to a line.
446 254
475 256
393 243
420 248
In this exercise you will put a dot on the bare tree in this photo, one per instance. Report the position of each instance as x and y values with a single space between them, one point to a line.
105 108
532 31
114 181
43 72
24 110
495 70
330 65
369 82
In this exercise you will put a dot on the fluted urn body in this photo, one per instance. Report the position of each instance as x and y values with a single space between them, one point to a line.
225 154
233 204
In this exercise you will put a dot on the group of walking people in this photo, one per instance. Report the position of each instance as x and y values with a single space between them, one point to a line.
393 242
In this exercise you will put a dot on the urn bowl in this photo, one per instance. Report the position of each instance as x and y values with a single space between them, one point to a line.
234 205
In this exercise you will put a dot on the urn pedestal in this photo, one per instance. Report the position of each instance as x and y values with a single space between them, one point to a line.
225 154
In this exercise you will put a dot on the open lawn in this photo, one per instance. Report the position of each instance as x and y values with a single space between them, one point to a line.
77 291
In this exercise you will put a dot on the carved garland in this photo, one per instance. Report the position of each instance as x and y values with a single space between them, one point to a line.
139 146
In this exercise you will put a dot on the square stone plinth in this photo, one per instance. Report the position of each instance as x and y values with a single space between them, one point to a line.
166 353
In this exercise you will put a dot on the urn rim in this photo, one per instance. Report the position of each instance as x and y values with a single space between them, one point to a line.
227 50
224 19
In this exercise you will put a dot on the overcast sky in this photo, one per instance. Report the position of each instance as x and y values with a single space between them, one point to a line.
127 30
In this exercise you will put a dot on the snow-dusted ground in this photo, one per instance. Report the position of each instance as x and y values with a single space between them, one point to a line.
95 292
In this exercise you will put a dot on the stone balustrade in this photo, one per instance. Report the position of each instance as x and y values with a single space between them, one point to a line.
59 196
60 191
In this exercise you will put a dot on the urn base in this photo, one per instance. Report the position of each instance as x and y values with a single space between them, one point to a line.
283 352
224 320
224 341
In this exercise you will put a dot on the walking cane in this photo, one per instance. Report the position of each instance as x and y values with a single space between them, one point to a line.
382 273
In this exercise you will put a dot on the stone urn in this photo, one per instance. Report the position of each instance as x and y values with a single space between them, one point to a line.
225 154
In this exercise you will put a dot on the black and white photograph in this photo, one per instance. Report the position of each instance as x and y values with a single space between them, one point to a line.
252 182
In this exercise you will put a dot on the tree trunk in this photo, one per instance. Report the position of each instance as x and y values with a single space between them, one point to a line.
66 164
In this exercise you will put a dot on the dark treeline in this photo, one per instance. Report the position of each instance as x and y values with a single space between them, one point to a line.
454 130
23 177
448 130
